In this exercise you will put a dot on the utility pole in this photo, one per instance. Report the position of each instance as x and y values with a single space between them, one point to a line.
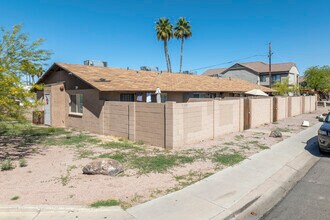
270 63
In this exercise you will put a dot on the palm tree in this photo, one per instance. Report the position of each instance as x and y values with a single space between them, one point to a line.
182 31
164 31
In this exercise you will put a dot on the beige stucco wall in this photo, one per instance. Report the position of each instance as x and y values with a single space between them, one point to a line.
57 96
92 117
261 110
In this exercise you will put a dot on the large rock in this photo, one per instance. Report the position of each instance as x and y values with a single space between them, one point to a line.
275 134
103 166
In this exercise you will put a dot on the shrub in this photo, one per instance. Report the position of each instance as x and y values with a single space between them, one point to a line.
15 198
109 202
22 162
7 165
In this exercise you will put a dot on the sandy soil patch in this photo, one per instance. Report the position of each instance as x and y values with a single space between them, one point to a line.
53 174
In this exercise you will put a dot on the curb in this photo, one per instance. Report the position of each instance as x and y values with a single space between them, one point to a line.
262 199
36 212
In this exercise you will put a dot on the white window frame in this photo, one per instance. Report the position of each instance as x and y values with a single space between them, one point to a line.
78 105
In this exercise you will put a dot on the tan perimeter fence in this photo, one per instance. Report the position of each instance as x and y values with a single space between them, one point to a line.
172 124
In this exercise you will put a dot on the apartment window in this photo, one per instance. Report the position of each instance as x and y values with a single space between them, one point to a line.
263 78
76 103
276 78
127 97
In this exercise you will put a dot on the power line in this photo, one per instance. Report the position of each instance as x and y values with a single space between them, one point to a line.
228 62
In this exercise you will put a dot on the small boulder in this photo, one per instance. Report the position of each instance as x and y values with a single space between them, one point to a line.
103 166
275 134
305 124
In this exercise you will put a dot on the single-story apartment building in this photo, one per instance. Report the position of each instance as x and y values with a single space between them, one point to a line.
72 90
258 72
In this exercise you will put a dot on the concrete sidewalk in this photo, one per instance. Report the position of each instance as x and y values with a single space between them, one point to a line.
253 186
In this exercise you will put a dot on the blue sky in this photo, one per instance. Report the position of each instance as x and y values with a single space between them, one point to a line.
122 32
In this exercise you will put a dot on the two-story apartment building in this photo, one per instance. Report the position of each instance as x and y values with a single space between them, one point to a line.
258 72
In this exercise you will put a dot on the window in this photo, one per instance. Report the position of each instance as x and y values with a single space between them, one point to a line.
127 97
76 103
276 78
263 78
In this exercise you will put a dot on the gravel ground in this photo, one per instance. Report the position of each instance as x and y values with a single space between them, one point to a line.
54 176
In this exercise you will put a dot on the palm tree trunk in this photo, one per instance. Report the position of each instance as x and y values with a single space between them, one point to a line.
166 55
169 61
181 54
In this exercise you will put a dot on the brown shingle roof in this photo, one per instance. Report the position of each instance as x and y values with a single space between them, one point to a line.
262 67
258 66
117 79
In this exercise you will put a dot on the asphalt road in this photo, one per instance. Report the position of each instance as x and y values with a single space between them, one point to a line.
309 199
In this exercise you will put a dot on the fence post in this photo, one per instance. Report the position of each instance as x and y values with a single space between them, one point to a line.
131 121
247 113
275 109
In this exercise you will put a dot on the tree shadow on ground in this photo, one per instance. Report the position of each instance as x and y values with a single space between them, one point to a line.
20 140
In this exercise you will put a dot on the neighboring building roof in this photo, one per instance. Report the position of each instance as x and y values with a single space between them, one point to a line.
258 66
211 72
116 79
301 79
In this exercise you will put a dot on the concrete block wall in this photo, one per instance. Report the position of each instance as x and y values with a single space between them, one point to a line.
313 103
261 111
193 122
150 123
306 104
116 118
282 107
228 116
172 124
295 106
135 121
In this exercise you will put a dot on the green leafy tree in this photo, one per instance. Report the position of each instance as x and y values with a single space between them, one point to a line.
282 87
318 79
182 32
164 32
20 60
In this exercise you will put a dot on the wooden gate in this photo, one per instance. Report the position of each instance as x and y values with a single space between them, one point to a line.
247 114
275 108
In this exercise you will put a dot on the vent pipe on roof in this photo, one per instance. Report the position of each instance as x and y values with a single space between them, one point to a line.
149 68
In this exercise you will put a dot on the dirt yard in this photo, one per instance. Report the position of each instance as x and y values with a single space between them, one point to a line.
44 165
